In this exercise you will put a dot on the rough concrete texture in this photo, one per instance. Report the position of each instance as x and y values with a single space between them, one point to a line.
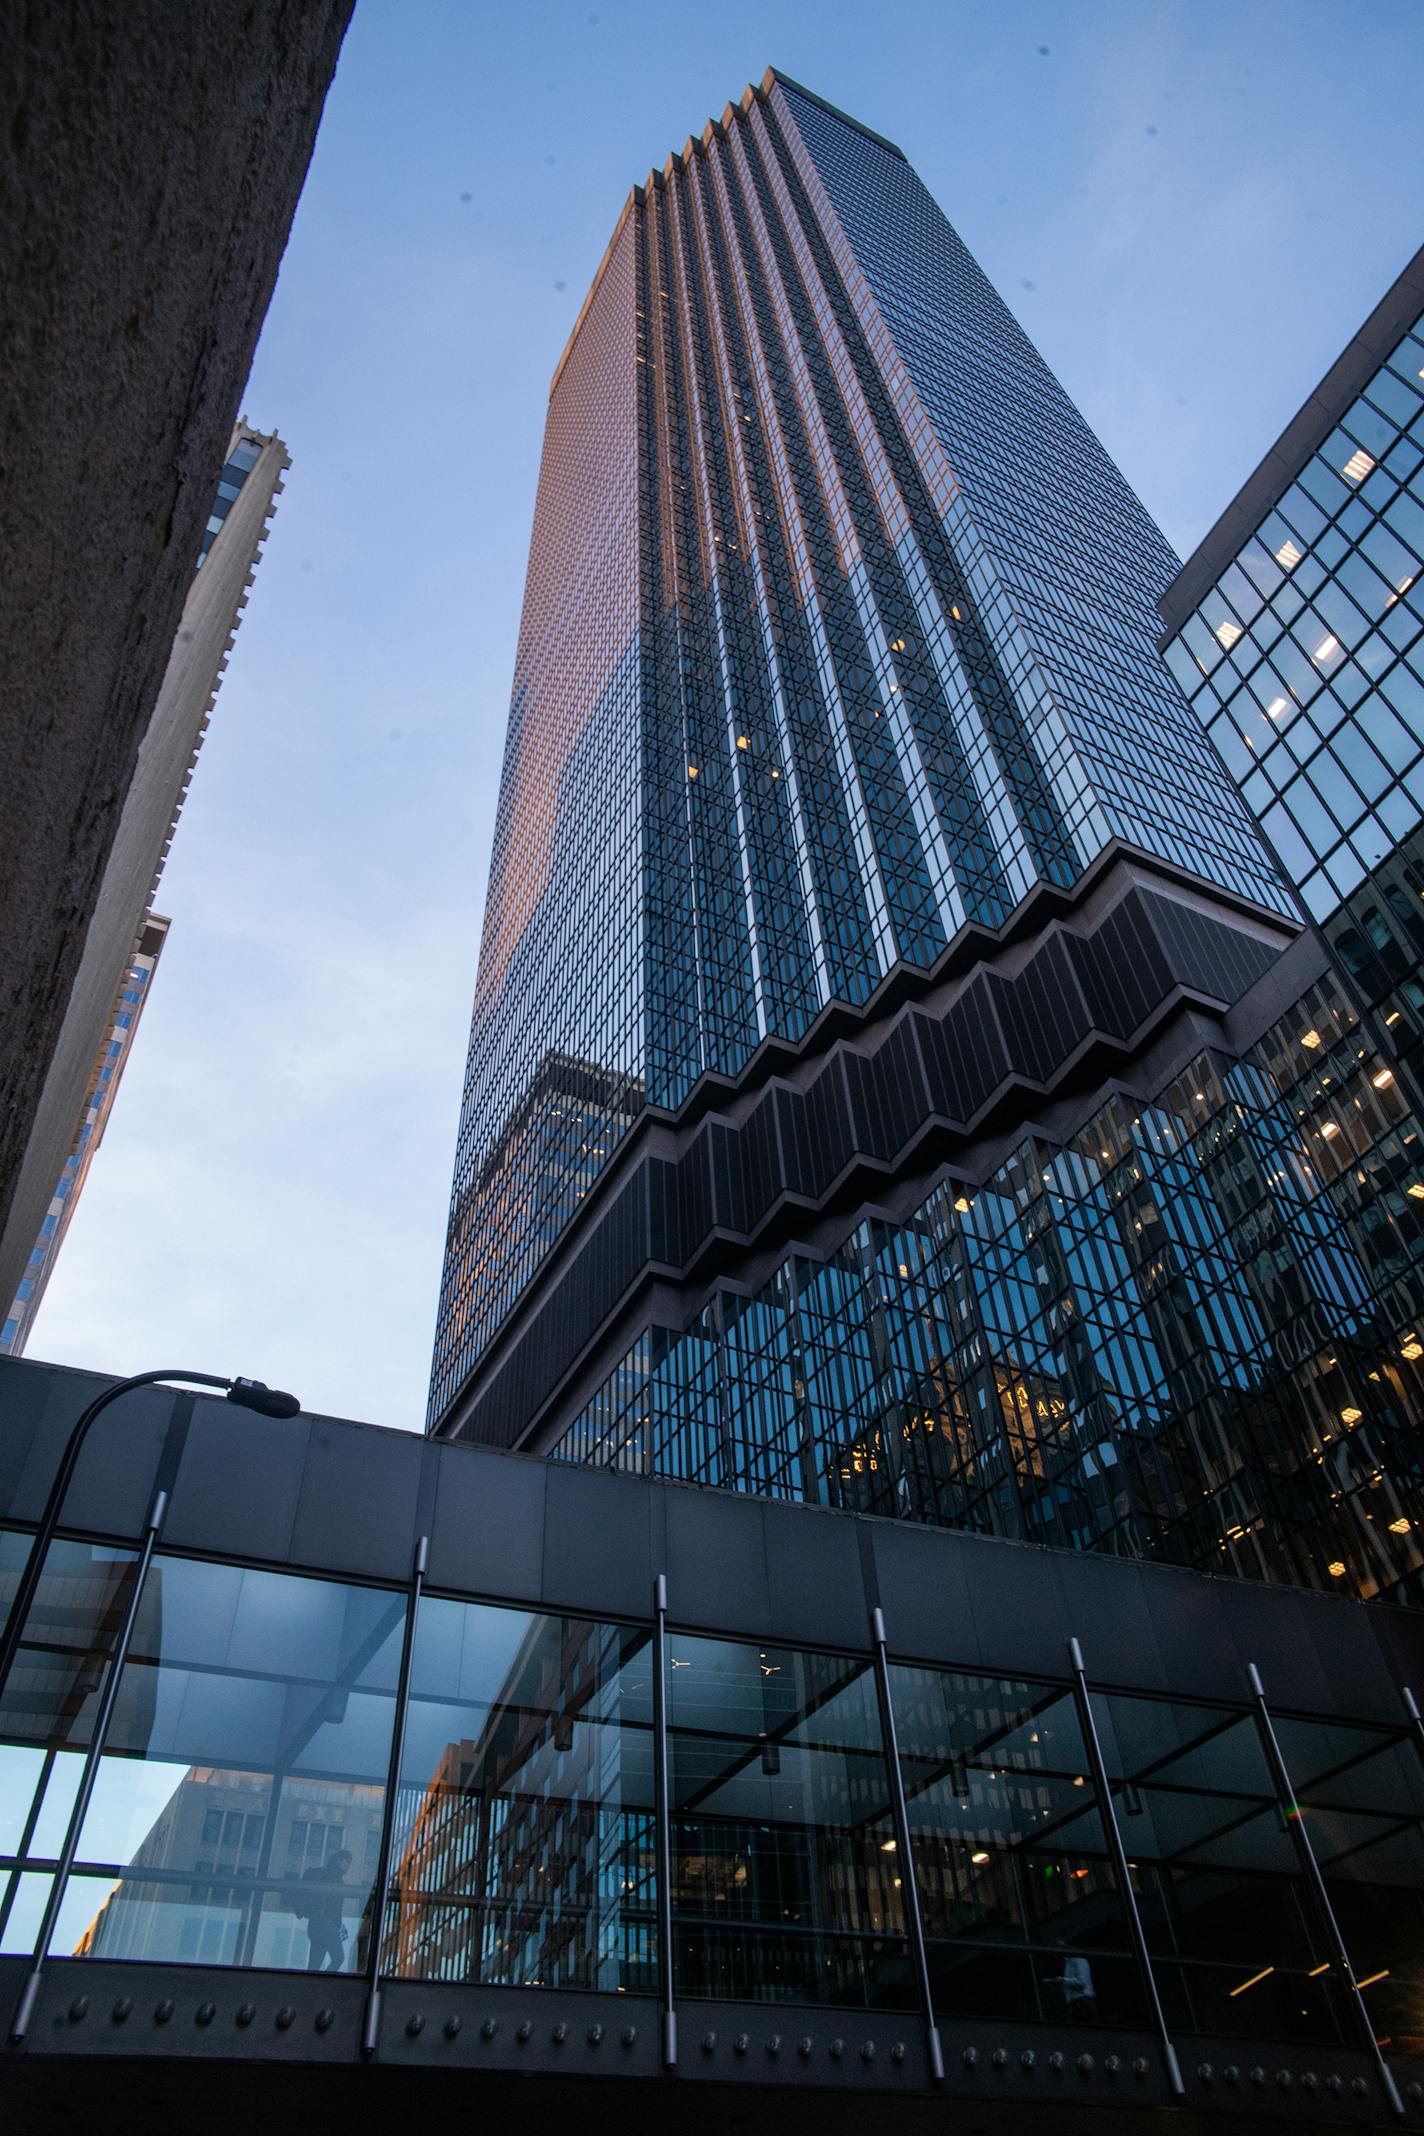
151 156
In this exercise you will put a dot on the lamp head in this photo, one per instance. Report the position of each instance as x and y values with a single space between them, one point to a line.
267 1401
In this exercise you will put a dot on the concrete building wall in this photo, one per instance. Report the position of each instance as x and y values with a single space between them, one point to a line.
151 156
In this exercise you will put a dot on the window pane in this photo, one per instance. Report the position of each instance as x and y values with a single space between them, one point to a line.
1021 1911
525 1851
1235 1946
1361 1795
253 1703
786 1886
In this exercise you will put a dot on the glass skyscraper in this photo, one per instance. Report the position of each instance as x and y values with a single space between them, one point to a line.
897 1062
1297 631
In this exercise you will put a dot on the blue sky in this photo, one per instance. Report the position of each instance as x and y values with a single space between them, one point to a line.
1191 205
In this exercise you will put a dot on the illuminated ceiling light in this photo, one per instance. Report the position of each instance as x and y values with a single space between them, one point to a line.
979 1859
1316 1970
742 742
692 771
1358 465
1264 1974
897 645
1336 1568
961 1204
1327 649
1329 1129
887 1846
1078 1780
1311 1040
1276 707
1417 1190
1382 1974
1228 633
1351 1416
1288 555
1383 1080
1399 1527
1412 1349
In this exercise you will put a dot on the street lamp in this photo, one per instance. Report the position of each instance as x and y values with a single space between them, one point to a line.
247 1393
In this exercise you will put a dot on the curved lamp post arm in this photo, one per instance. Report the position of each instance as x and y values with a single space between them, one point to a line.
248 1394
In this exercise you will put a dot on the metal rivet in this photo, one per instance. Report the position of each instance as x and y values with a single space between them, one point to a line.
595 2034
740 2043
1257 2075
1231 2073
1284 2079
1027 2058
1310 2081
897 2052
1056 2060
561 2033
489 2028
837 2048
1205 2072
1415 2091
325 2019
415 2025
286 2016
1000 2057
204 2014
969 2057
1359 2086
78 2009
629 2034
804 2046
1085 2063
246 2013
452 2026
162 2012
867 2050
1112 2063
773 2045
1139 2065
524 2032
709 2041
121 2009
1335 2084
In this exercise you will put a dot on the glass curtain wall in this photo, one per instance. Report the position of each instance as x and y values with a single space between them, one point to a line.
242 1796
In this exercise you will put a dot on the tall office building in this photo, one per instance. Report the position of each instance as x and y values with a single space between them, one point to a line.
1297 631
123 936
899 1077
115 1046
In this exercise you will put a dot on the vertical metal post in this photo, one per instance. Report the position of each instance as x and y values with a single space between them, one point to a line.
909 1882
1411 1707
662 1814
1107 1809
381 1891
1305 1854
98 1737
32 1818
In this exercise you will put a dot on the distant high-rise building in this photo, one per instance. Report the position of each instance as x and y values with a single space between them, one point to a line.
1297 631
98 1026
947 1118
113 1055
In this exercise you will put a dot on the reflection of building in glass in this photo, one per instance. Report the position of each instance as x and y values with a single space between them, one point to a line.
1297 630
98 1101
235 1874
528 1848
124 934
999 1150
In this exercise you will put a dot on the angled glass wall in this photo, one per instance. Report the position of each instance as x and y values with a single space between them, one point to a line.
242 1805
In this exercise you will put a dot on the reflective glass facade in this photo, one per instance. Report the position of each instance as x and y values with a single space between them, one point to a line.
837 641
242 1802
1305 665
1193 1332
